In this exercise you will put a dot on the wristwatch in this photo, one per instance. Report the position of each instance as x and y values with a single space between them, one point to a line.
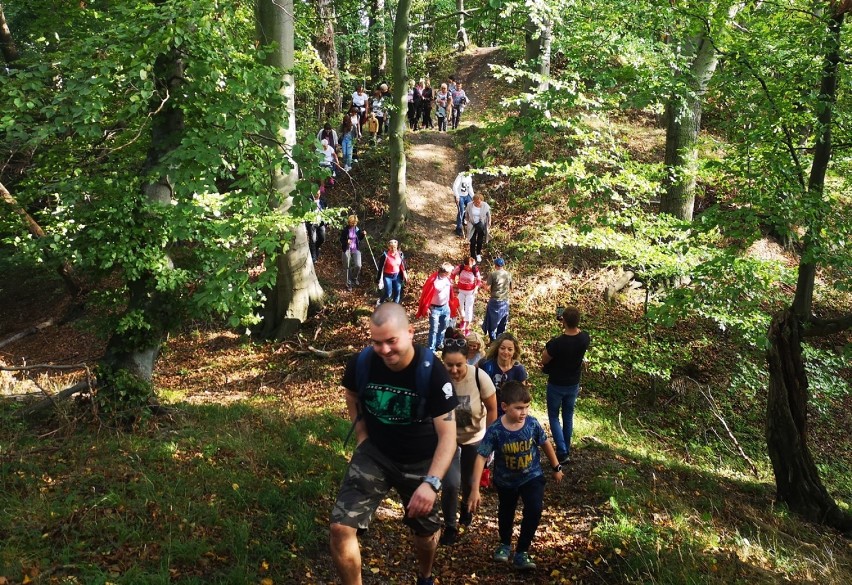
557 468
434 482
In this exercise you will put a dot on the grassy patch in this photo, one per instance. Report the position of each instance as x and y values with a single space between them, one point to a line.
216 496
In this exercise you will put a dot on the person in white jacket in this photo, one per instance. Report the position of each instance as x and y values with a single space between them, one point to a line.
463 192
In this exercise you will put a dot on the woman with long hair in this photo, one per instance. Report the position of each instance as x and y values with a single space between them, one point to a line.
502 363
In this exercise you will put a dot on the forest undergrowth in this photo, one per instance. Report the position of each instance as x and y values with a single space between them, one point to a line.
669 482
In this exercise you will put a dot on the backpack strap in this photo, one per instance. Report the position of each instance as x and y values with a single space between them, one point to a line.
362 376
423 377
476 377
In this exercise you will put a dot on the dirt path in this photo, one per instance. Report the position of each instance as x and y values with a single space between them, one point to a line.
433 163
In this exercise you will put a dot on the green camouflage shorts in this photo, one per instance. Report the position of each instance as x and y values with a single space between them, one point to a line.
368 480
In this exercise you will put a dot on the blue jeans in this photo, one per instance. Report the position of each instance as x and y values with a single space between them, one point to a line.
438 318
463 201
346 144
393 287
561 398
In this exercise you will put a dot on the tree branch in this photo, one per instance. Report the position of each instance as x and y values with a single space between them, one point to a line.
823 327
442 17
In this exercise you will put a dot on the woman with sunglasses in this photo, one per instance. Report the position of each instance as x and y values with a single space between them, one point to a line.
501 363
476 410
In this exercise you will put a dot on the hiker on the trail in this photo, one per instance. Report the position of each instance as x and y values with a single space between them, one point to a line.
515 440
316 230
386 93
562 361
468 280
442 99
474 345
463 192
478 217
476 410
417 100
460 101
439 303
329 161
499 284
373 127
350 245
451 89
377 109
426 105
361 102
392 273
328 133
355 118
348 136
502 362
401 402
411 112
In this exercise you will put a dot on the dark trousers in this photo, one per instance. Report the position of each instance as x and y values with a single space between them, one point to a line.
476 241
456 116
427 115
532 494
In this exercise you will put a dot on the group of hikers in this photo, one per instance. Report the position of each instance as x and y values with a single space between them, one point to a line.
439 430
368 116
425 427
449 102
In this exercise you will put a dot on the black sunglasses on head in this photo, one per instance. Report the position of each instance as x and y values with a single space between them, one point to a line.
460 343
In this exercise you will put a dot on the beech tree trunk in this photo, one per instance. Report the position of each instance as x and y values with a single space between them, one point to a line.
135 350
683 123
461 34
297 291
327 50
532 55
378 48
7 43
398 212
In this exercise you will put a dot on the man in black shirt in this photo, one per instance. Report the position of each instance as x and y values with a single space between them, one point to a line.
397 448
562 361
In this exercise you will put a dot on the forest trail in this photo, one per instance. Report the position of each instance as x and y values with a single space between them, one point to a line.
433 163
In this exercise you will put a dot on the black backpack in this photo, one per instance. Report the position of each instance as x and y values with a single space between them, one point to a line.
422 376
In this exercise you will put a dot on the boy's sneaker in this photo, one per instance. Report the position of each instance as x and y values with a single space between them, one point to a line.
523 562
465 518
564 458
449 536
430 580
501 555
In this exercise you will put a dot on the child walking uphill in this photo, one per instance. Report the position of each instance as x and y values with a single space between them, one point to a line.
514 439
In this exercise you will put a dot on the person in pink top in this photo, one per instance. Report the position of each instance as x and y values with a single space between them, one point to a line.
439 307
393 273
467 278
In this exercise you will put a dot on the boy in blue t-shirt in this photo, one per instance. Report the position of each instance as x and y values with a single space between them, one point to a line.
514 438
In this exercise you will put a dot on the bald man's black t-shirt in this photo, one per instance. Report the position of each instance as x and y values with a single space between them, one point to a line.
390 403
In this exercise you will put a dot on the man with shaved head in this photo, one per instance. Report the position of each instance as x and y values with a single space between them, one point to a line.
406 440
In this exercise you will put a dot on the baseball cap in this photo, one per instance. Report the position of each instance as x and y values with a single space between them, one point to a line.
499 262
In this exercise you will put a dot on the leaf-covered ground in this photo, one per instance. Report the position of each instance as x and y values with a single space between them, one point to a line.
257 440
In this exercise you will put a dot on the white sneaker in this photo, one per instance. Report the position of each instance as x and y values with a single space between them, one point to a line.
479 257
347 168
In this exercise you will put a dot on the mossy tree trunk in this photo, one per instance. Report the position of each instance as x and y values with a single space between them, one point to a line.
399 212
297 291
